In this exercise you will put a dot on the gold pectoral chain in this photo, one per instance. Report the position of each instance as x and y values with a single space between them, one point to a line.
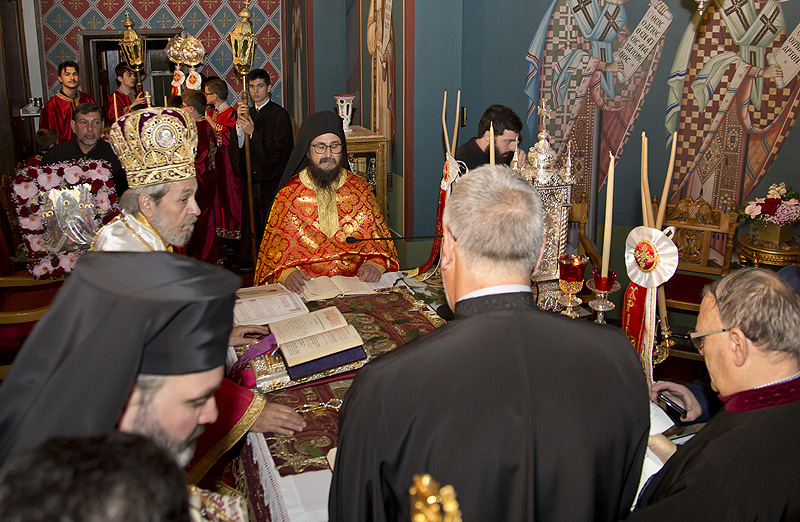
333 405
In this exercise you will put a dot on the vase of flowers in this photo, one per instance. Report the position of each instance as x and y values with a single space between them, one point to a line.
772 219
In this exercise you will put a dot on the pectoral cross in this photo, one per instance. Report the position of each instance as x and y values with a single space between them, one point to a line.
612 24
582 8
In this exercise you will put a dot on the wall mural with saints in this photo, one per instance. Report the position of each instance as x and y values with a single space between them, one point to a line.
732 88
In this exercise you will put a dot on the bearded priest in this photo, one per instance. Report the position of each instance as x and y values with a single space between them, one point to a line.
157 147
319 206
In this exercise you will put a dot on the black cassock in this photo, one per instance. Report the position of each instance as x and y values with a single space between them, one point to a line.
743 465
528 414
270 147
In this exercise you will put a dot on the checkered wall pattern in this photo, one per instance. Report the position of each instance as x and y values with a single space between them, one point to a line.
210 21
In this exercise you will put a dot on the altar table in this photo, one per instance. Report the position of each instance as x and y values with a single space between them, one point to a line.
288 478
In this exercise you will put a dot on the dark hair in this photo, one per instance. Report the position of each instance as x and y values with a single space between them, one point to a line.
258 74
68 63
45 138
114 477
120 69
219 87
85 108
175 101
196 99
502 117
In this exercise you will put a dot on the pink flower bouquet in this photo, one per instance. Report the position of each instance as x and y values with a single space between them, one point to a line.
780 207
60 207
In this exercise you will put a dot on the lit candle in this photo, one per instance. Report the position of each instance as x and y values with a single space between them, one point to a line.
491 143
609 212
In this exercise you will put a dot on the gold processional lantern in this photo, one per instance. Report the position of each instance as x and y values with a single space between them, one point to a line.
243 43
133 47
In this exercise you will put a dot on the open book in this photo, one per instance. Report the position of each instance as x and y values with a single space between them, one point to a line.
325 287
266 304
317 341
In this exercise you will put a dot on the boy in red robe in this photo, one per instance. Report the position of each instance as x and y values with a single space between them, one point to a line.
118 103
228 201
57 112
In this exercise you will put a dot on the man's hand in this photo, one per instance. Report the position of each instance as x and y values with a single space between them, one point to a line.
369 273
772 71
662 447
611 67
681 395
237 336
296 281
278 418
139 99
243 118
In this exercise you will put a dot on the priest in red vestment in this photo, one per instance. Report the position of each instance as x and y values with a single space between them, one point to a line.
118 103
57 112
317 210
228 200
204 244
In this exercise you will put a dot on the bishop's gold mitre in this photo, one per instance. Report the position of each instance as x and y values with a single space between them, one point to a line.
155 145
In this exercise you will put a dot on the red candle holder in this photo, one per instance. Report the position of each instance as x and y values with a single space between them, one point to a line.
571 267
570 281
604 284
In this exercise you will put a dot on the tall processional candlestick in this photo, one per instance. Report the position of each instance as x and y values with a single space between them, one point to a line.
133 47
243 44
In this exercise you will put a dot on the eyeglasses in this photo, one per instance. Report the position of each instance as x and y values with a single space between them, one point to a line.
698 338
320 147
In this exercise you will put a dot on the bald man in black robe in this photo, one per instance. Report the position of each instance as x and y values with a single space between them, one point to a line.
529 415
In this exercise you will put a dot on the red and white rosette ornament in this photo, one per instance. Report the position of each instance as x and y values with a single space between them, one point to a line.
177 80
193 79
651 259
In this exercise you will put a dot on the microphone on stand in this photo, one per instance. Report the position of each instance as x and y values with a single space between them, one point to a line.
351 239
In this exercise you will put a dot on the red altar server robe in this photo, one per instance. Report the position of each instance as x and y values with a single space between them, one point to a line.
228 201
123 103
204 244
57 114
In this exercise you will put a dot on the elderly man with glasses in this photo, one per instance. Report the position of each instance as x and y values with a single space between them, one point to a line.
319 211
743 464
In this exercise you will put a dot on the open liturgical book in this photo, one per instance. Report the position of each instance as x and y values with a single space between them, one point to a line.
317 341
265 304
325 287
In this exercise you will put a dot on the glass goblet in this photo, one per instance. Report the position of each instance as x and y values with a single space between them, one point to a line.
570 281
602 286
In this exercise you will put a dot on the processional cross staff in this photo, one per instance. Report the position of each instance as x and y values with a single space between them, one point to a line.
242 43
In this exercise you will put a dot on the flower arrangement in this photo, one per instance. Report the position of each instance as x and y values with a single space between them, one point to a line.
780 207
30 191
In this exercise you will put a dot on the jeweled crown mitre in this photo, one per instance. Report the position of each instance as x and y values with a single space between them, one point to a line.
155 145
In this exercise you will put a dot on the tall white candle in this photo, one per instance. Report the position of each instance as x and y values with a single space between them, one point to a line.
491 143
609 213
